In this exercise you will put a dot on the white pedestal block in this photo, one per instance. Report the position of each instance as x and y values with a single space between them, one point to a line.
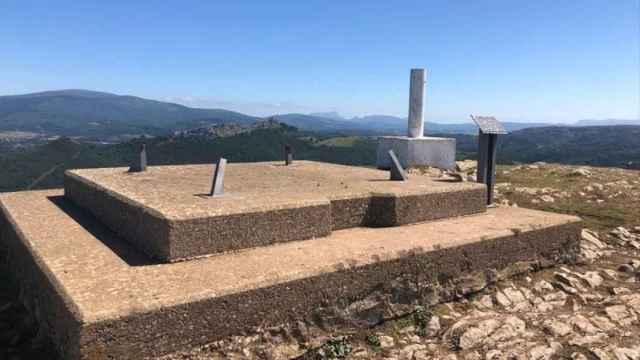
422 151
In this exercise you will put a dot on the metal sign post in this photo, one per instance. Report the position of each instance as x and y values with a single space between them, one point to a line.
489 129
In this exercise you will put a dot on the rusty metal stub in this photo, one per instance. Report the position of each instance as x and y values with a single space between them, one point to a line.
489 125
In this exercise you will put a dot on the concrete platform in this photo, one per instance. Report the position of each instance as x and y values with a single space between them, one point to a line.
165 212
99 298
423 151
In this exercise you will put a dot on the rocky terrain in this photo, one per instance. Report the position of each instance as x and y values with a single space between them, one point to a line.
587 308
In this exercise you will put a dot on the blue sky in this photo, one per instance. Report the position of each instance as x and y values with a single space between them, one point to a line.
542 60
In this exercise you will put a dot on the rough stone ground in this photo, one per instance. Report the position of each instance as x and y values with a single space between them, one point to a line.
586 310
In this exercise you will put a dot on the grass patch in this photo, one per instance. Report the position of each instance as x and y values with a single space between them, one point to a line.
336 348
374 341
340 141
598 209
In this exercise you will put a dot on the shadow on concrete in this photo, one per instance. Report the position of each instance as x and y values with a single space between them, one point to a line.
447 180
123 249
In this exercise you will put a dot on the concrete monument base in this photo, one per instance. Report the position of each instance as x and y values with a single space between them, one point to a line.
97 297
162 211
421 151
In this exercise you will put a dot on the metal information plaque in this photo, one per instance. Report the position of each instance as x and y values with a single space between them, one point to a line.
489 125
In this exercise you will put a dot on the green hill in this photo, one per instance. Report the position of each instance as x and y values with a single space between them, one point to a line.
591 145
91 113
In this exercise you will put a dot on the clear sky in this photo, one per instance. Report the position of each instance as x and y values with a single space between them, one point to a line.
521 60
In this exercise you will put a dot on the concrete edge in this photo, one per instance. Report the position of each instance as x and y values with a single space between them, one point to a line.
281 303
59 316
92 184
78 190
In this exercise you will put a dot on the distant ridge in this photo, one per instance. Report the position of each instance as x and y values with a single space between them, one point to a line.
329 115
608 122
77 112
66 92
95 114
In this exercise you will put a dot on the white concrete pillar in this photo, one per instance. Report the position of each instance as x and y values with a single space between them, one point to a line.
416 103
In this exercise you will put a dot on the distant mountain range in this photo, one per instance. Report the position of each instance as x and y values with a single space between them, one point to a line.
607 122
385 124
84 113
91 113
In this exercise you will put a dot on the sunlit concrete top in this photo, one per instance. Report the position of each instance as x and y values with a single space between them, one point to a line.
179 192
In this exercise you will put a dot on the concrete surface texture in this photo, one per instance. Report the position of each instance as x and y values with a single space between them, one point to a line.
422 151
98 297
166 213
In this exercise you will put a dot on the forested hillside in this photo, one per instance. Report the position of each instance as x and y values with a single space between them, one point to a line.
92 113
43 166
592 145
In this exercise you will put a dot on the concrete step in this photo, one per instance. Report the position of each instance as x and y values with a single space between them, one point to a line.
166 213
99 298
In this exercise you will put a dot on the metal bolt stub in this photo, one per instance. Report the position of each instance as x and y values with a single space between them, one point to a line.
217 187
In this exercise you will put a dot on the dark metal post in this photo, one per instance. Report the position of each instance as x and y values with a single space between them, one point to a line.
217 188
483 142
491 166
288 155
487 144
139 162
396 172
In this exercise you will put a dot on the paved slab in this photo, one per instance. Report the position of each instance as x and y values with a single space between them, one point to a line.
100 298
165 212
